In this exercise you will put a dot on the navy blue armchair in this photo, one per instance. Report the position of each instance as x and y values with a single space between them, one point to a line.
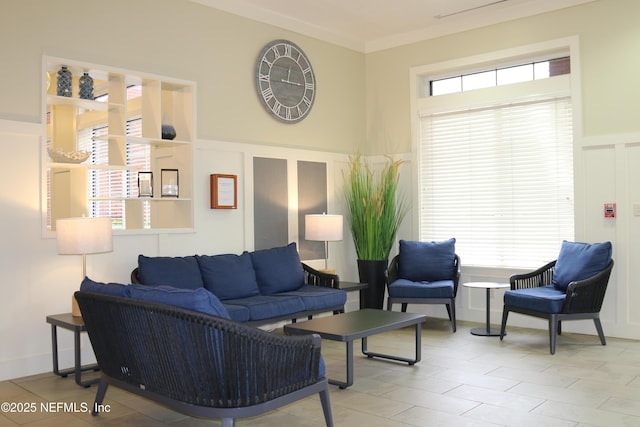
425 273
569 288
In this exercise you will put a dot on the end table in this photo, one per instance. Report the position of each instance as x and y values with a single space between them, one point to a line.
76 325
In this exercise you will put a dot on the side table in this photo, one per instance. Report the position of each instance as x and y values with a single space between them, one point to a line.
487 331
76 325
351 287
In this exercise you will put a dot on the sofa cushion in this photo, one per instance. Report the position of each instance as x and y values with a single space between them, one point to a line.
178 272
114 289
238 313
403 288
427 261
546 299
193 299
228 276
318 297
263 307
579 261
278 269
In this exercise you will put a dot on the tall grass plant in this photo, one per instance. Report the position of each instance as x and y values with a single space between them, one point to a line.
375 209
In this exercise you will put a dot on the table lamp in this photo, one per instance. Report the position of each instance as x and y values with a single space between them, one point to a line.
325 228
83 236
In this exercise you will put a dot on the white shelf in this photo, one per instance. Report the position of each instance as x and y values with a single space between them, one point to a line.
69 120
87 104
90 166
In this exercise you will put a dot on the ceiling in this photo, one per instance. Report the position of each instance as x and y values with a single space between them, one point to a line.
372 25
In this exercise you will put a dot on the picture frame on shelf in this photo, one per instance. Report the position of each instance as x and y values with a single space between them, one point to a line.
224 191
145 184
169 186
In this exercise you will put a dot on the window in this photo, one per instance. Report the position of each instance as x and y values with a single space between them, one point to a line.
501 76
499 177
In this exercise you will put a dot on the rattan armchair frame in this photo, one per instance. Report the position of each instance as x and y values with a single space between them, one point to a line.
583 300
450 303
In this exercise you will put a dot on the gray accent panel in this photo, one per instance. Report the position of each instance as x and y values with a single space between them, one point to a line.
312 199
270 203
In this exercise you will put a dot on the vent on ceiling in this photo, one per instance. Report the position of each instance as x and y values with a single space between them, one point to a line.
458 12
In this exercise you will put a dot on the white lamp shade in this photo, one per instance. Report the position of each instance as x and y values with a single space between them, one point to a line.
323 227
80 236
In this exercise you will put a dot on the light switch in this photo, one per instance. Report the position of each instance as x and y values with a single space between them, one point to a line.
636 209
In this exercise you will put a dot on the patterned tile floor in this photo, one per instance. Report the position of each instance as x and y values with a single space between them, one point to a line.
462 380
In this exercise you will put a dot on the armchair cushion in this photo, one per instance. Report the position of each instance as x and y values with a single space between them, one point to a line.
579 261
229 276
545 299
178 272
192 299
427 261
403 288
278 269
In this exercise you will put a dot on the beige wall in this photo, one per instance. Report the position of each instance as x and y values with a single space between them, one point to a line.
180 39
609 41
362 99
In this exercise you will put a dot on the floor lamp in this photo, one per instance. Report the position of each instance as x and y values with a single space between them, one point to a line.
325 228
83 236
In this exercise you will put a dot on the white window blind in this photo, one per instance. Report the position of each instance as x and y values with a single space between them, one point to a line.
500 180
109 188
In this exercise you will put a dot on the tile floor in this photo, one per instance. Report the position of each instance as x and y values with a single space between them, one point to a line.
462 380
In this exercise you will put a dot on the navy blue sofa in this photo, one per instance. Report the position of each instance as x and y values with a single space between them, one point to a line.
256 287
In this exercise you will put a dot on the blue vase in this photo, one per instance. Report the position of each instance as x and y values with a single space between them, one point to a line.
86 86
64 82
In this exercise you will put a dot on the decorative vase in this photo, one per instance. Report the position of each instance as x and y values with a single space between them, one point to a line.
64 82
374 273
168 131
86 86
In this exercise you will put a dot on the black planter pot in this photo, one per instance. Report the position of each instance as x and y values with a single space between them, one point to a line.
374 274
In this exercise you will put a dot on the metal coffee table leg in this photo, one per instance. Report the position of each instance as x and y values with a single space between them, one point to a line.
399 359
349 381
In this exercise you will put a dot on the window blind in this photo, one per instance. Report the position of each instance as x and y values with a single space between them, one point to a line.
500 180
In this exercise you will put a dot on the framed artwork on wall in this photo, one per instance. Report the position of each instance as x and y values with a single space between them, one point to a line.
224 191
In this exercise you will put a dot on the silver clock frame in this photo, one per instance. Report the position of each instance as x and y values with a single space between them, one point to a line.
285 81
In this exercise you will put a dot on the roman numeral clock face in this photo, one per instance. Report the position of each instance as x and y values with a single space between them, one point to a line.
285 81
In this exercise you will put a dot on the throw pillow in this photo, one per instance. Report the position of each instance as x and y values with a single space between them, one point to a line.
193 299
228 276
179 272
278 269
427 261
115 289
579 261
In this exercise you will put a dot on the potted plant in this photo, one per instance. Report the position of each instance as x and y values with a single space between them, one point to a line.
375 210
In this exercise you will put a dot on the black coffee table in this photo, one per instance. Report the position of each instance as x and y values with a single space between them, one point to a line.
347 327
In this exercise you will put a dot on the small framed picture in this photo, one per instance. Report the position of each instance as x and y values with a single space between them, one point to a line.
145 184
169 183
224 191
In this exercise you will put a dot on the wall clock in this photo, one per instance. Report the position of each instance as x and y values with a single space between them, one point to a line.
285 81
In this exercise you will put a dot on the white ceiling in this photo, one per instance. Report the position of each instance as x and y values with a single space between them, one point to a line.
371 25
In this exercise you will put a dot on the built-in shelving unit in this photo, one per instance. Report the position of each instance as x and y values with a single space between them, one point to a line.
122 128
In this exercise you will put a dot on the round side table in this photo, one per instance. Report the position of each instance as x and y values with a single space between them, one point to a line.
487 331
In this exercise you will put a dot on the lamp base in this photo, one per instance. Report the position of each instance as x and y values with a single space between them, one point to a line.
75 308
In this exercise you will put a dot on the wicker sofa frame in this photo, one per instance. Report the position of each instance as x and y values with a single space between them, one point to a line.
198 364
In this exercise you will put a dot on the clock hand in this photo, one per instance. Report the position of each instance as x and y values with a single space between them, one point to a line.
291 83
